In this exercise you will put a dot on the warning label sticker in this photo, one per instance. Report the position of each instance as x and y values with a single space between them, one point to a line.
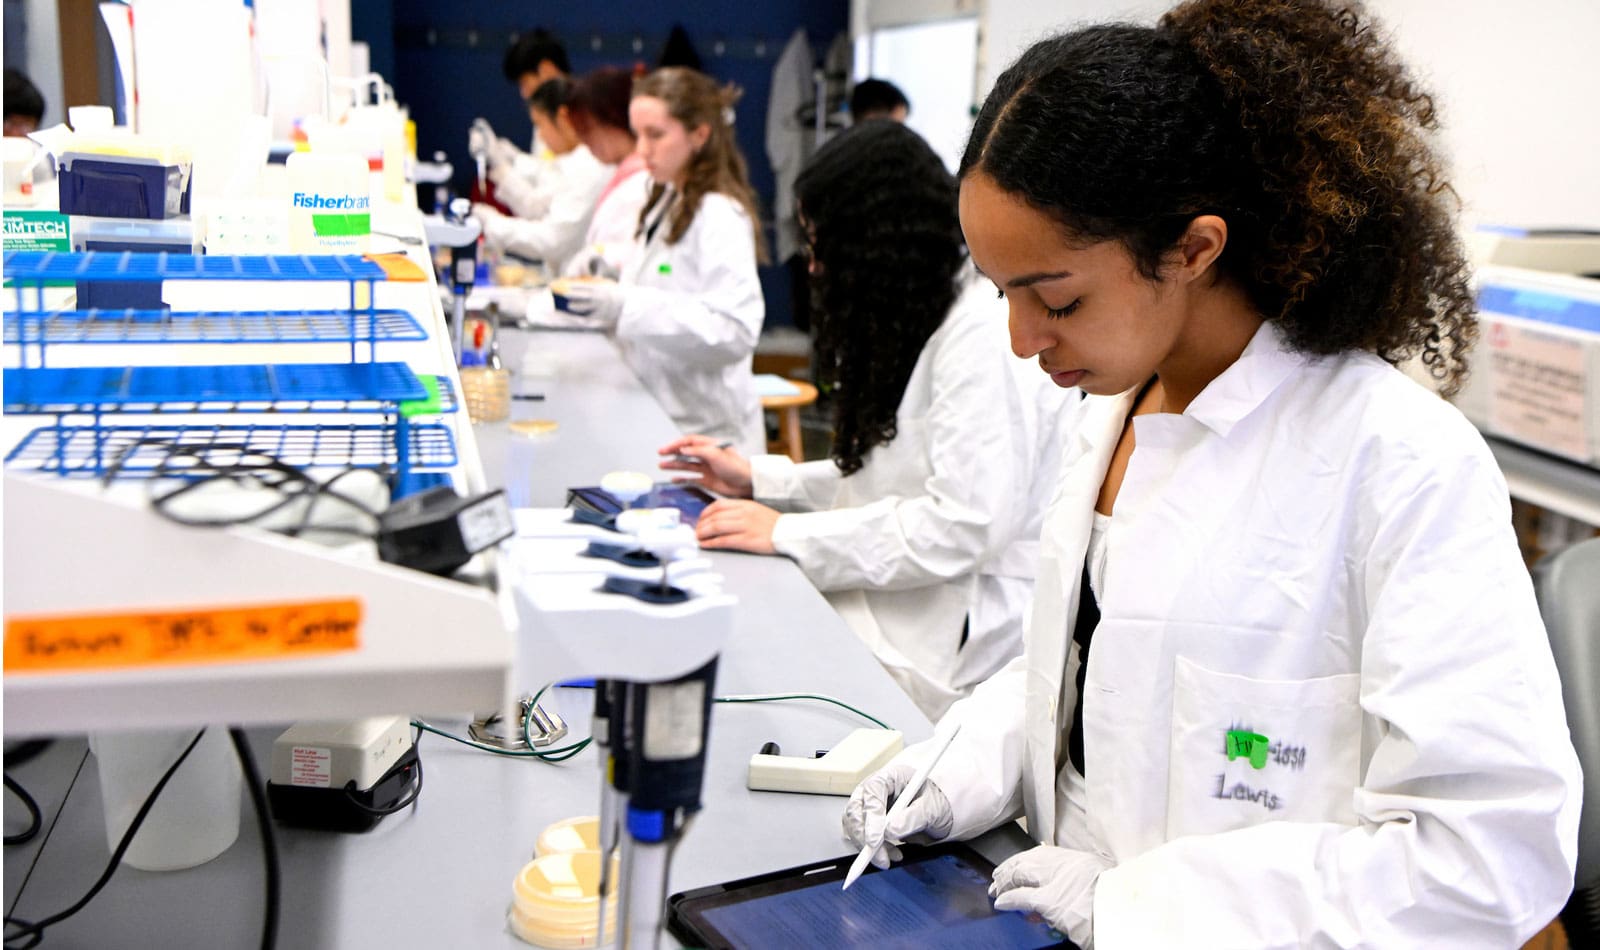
309 765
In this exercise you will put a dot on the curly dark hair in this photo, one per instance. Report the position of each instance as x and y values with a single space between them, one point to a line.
881 209
1289 119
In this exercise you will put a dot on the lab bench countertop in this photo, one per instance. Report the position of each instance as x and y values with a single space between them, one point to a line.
440 873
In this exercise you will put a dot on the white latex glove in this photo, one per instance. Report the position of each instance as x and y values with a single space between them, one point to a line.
480 137
496 226
502 153
598 300
518 193
928 818
1057 883
592 262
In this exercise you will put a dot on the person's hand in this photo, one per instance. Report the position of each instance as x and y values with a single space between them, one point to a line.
591 262
502 153
495 225
926 819
737 524
722 470
600 301
1056 883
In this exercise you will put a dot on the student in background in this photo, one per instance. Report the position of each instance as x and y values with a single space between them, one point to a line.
922 527
687 309
561 205
599 112
534 59
23 104
1285 682
878 99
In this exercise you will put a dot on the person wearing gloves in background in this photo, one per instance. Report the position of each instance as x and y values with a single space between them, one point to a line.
1284 683
561 207
599 112
922 528
687 309
533 60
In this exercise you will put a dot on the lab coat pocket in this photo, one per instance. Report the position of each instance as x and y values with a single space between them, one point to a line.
1246 751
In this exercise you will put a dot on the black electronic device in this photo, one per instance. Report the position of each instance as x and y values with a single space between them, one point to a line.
936 897
690 500
437 530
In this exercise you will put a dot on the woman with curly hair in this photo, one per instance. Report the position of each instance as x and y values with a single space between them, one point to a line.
922 528
687 308
1285 683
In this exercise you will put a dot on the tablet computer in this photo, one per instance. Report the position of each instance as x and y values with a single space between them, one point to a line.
690 500
936 897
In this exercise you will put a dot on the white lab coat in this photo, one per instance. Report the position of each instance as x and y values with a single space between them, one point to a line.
615 219
690 321
565 203
1319 551
522 188
939 528
789 141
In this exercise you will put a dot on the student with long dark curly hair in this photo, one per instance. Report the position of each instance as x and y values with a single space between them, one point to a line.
687 309
922 527
1285 684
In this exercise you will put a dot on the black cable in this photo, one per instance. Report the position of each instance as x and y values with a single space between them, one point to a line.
34 932
269 841
35 820
290 483
26 751
415 768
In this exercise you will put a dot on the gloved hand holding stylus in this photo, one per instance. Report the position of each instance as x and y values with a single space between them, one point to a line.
927 818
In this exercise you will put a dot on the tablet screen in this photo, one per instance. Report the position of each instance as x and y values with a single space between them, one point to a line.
935 901
688 499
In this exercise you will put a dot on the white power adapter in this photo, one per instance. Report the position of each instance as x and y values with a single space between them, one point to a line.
837 773
341 775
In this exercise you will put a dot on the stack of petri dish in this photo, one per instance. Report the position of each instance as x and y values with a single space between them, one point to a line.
556 896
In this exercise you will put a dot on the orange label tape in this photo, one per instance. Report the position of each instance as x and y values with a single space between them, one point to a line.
171 638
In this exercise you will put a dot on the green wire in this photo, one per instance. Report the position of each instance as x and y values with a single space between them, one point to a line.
776 697
568 751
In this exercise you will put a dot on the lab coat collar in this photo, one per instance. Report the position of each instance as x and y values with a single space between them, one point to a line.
1263 366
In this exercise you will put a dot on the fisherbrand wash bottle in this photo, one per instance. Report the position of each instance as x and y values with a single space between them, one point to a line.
329 204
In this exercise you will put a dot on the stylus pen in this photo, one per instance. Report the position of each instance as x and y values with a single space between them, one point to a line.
691 459
901 802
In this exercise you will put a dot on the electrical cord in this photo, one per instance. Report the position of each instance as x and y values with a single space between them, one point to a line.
414 768
35 820
782 697
26 751
32 932
568 751
269 840
244 465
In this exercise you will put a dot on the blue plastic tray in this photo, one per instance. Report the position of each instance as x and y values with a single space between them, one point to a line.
36 266
92 450
245 326
302 387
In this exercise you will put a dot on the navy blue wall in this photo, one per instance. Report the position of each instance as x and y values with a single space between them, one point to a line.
444 60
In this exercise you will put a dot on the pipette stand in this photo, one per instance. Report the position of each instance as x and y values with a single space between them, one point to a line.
568 626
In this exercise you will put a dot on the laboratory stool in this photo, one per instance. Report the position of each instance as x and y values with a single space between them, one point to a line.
788 408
